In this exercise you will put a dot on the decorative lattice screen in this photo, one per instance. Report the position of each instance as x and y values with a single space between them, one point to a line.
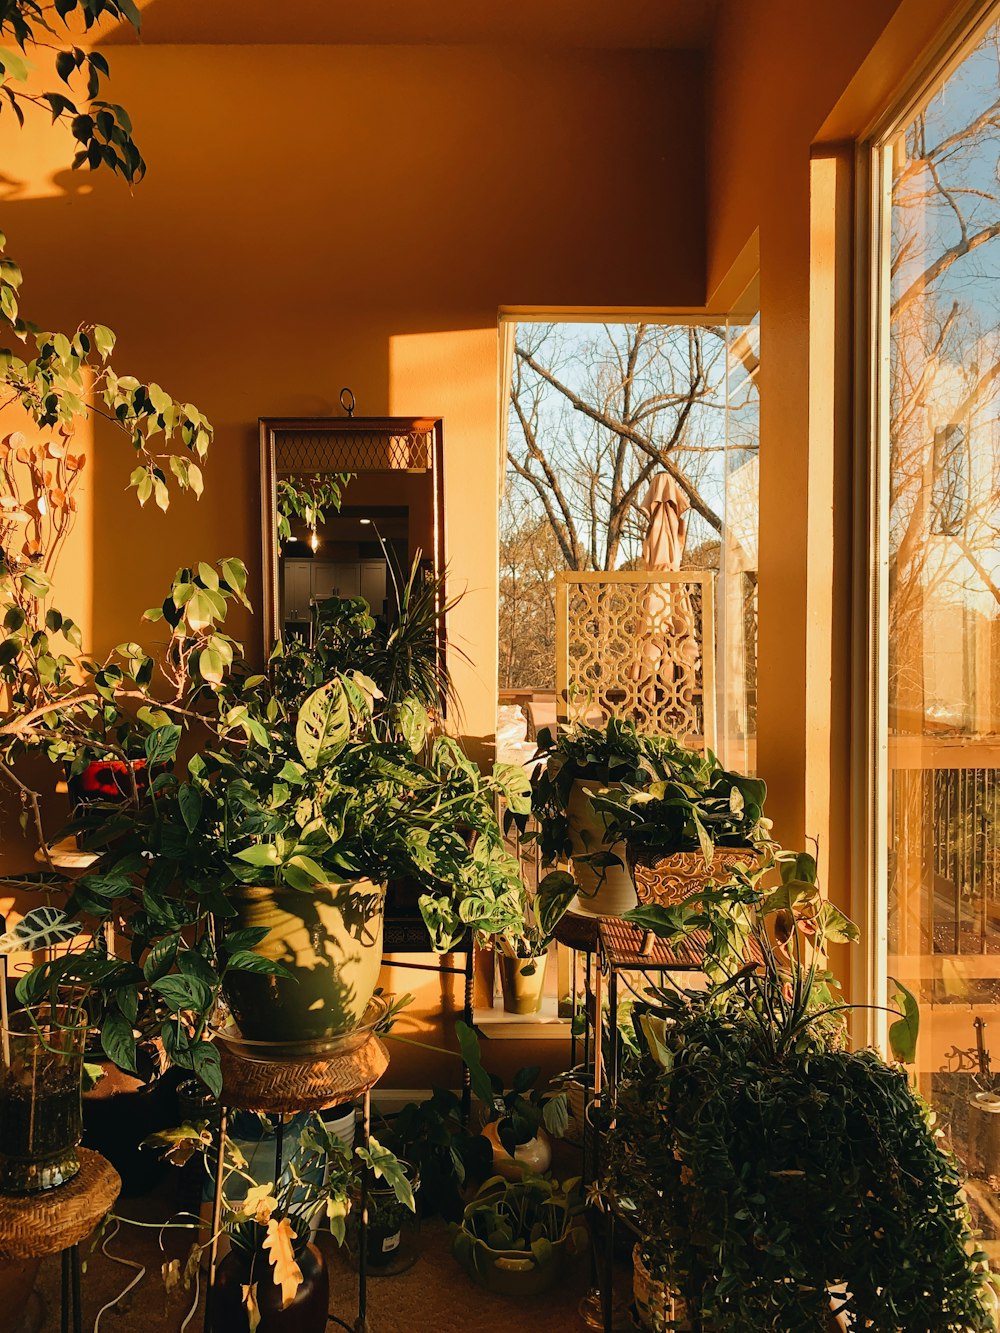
641 646
350 450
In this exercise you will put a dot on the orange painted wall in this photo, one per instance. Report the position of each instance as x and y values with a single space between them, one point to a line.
316 217
785 79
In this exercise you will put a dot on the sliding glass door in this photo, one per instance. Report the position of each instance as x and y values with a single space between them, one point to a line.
936 702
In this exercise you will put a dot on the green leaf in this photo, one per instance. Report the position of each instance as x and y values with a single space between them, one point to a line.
118 1040
234 572
160 958
190 801
903 1034
324 725
468 1043
104 340
245 961
261 854
40 928
388 1168
555 893
182 992
161 745
15 66
205 1062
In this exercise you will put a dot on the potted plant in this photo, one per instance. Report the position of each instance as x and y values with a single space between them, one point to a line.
41 1117
516 1236
434 1137
778 1177
522 970
393 1230
679 831
273 1274
575 762
518 1119
286 825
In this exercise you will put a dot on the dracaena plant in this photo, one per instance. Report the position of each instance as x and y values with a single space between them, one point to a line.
775 1175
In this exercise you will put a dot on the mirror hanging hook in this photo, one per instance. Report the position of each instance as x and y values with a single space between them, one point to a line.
347 401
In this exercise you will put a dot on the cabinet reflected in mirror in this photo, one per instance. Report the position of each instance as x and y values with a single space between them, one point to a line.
391 506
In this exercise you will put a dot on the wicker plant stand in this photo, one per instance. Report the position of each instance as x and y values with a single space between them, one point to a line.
286 1086
56 1221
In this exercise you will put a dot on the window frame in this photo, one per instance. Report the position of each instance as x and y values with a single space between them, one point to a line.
870 685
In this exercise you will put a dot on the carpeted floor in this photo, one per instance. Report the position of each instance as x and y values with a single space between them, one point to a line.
435 1296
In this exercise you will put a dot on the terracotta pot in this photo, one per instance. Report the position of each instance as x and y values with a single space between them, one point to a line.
602 892
532 1158
331 942
522 981
306 1313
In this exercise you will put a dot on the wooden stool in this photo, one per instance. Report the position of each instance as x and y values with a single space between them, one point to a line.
54 1221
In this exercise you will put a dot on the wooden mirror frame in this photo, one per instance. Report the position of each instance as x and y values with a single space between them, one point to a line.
392 430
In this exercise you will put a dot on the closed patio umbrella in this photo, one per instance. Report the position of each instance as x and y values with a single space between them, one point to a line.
668 628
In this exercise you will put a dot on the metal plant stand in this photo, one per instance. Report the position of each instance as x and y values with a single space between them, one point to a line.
624 948
268 1077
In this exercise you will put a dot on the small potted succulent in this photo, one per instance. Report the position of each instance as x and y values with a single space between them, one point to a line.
517 1237
518 1119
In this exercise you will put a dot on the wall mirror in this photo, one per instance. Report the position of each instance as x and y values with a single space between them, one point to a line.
394 501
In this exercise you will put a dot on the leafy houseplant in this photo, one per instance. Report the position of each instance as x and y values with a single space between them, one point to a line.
607 796
272 1266
516 1118
515 1237
433 1135
776 1175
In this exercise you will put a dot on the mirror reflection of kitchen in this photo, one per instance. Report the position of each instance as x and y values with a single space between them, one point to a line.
345 558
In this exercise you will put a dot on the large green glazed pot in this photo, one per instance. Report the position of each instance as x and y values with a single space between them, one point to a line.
516 1272
330 940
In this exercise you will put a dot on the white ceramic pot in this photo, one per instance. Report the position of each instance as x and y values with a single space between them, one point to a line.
340 1121
605 891
531 1158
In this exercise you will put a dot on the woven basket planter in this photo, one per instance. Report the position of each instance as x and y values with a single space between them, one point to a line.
670 879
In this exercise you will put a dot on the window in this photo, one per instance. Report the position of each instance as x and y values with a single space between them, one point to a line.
629 447
937 563
609 425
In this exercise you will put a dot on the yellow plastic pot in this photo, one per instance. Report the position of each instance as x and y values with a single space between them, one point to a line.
330 941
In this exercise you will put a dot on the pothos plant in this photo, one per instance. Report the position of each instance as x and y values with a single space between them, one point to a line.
615 753
286 789
776 1175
